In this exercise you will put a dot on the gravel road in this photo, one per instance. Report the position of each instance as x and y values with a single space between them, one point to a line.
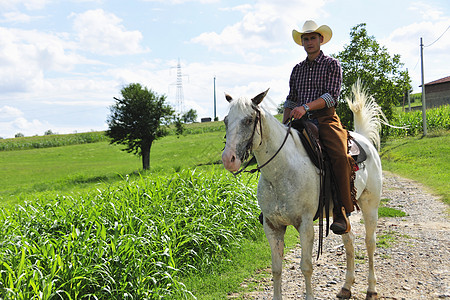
414 265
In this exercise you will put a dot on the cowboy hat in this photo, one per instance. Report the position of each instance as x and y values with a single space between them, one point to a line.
309 27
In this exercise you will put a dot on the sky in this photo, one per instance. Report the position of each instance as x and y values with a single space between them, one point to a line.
62 62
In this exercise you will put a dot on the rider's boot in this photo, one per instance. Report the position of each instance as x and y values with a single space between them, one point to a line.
341 223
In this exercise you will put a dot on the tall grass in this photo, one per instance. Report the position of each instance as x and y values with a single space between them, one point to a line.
133 240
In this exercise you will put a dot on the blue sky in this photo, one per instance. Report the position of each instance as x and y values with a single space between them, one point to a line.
62 62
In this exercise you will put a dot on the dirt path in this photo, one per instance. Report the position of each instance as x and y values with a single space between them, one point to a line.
416 265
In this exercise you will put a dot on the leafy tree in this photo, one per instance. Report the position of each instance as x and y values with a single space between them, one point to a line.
137 119
18 135
190 116
179 128
280 108
48 132
379 72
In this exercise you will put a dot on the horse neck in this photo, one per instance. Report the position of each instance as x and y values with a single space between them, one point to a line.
273 135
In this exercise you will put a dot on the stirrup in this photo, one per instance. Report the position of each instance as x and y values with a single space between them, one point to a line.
347 222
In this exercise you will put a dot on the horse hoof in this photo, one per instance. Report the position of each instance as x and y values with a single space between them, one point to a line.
344 294
371 296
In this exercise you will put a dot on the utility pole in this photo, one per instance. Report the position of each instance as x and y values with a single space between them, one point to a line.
424 106
409 100
214 98
408 95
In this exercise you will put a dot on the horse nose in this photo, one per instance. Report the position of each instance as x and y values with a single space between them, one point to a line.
230 161
228 157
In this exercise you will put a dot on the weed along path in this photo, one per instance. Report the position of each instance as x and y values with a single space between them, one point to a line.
412 258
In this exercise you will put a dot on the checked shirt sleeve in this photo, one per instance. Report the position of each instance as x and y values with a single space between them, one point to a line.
333 84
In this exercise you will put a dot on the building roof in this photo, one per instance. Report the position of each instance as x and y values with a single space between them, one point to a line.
442 80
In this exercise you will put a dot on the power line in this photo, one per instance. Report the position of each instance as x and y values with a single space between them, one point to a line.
438 37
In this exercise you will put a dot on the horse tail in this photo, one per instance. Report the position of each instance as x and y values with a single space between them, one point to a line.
367 114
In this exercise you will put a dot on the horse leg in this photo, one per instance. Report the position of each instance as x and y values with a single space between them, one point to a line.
348 240
275 236
306 232
370 222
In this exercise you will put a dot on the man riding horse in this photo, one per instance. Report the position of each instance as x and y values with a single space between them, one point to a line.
315 85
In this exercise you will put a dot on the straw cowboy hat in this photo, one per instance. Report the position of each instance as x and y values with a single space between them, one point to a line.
309 27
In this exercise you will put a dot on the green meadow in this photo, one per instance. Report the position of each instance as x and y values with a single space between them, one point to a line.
74 166
80 220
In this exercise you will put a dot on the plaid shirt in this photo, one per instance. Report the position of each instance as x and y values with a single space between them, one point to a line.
321 78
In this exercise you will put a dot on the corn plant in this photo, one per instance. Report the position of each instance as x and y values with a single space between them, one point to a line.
51 141
133 240
437 119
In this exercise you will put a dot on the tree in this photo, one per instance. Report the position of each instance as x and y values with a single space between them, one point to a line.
379 73
179 128
280 108
137 119
190 116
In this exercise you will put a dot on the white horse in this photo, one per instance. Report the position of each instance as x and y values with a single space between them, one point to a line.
288 188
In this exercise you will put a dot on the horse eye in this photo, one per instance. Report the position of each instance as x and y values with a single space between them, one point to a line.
248 121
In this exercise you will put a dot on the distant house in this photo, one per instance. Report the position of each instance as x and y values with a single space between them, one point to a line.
437 92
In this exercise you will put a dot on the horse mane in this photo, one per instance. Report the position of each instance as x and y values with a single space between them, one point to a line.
244 105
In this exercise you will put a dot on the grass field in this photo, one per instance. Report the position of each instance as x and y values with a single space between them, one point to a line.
84 218
74 166
425 159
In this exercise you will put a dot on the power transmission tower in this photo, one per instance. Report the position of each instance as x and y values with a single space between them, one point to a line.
179 97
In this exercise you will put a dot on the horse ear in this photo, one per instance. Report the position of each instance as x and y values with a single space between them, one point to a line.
228 97
257 100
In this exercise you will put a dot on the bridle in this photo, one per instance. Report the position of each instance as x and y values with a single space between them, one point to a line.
249 146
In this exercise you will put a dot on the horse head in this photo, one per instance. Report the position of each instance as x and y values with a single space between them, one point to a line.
241 130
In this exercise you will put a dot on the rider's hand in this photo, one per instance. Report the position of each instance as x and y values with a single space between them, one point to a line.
298 112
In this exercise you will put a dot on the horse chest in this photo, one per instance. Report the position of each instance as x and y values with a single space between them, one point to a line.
278 204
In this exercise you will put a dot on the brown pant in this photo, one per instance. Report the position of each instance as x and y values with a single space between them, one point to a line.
334 138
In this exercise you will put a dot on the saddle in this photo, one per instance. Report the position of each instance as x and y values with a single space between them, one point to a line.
309 135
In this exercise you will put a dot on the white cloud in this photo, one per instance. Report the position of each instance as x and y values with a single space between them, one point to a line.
28 4
103 33
427 11
12 121
8 112
182 1
26 54
18 17
241 8
267 24
406 42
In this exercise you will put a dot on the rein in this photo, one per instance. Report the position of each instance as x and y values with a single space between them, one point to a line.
249 145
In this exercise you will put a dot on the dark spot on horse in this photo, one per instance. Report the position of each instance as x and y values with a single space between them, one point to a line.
269 224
